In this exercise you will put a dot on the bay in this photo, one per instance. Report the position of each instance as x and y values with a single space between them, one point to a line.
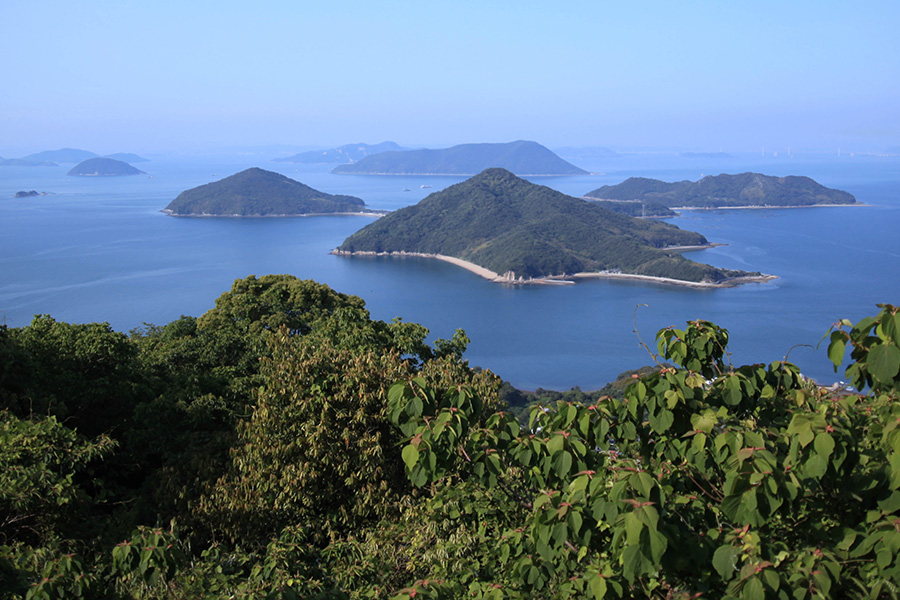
99 250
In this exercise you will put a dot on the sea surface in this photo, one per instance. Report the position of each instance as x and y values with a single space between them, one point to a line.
99 249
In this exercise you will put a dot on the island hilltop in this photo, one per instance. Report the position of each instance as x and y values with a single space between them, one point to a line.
103 167
511 230
744 190
259 193
521 158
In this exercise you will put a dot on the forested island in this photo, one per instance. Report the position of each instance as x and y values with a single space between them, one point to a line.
285 445
744 190
520 232
256 192
347 153
103 167
521 158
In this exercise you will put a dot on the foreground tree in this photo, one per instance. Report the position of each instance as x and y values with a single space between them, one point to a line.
704 480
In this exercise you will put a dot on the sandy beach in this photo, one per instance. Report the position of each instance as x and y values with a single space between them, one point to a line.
562 279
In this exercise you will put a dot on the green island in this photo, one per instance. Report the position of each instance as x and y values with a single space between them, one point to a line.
744 190
284 445
103 167
347 153
511 230
520 157
256 192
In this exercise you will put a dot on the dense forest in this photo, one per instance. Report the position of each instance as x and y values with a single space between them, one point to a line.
256 193
284 445
503 223
521 157
743 189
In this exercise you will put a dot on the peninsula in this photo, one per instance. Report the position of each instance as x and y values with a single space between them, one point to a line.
744 190
259 193
511 230
521 158
103 167
348 153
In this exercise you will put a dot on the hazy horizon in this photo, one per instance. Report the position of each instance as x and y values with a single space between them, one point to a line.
702 76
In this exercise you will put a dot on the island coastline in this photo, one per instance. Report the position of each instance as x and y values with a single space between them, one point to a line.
286 216
565 279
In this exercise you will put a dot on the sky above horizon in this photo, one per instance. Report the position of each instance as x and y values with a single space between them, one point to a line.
164 76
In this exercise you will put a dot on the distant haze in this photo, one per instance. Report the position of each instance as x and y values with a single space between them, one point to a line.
164 76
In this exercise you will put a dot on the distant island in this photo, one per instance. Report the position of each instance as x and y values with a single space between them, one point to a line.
521 158
25 162
29 194
745 190
510 230
259 193
63 155
103 167
348 153
127 157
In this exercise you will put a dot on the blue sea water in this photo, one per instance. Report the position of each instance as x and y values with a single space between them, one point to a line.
99 249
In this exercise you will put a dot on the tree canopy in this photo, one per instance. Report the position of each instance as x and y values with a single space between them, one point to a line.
284 445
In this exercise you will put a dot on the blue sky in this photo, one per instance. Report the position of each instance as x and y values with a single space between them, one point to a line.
164 76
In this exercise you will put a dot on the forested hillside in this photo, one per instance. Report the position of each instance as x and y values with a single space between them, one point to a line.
284 445
503 223
258 193
714 191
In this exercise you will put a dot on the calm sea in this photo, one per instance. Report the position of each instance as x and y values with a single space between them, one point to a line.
100 250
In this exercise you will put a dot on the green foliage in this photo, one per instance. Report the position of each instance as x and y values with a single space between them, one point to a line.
277 424
504 223
40 493
743 189
317 448
256 192
638 209
146 561
703 479
875 350
85 375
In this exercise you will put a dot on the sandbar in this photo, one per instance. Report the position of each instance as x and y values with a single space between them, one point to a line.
510 277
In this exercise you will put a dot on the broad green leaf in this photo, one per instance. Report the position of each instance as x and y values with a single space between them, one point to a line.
836 348
824 445
562 463
891 326
753 590
598 586
884 362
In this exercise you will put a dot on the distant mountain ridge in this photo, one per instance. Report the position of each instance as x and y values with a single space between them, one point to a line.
24 162
520 157
103 167
63 155
506 224
256 192
347 153
719 191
